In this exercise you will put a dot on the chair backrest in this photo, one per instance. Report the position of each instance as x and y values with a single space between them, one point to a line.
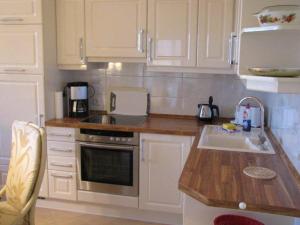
26 165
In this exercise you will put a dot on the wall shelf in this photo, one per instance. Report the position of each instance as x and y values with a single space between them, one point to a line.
271 28
272 84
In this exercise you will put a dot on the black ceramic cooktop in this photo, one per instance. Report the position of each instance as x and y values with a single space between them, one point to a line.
116 119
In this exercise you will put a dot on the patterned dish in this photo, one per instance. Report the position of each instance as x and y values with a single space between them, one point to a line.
274 72
259 172
279 15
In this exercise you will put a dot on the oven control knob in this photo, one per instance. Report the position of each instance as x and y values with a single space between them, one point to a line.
111 139
129 139
118 139
124 139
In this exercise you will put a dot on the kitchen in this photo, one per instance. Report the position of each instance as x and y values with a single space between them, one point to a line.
154 61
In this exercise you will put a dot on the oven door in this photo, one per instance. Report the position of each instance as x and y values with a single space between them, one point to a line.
108 168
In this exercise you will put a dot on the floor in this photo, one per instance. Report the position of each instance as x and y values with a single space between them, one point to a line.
55 217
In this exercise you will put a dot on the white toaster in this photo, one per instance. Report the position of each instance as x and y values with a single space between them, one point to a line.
254 115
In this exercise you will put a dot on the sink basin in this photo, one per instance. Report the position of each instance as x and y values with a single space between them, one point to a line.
216 138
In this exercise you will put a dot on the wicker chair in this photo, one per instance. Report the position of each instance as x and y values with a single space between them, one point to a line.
25 174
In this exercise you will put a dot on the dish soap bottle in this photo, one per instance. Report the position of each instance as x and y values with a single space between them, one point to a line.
247 119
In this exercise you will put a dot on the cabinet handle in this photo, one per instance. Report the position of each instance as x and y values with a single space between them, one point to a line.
61 176
140 40
81 51
231 50
150 41
60 150
12 19
61 164
60 135
15 70
142 151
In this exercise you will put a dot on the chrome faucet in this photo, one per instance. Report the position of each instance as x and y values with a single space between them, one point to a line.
261 135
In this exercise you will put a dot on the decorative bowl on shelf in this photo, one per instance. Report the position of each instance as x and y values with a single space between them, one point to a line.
279 15
275 72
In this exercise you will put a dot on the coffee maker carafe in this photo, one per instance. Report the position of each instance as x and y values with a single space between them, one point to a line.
77 99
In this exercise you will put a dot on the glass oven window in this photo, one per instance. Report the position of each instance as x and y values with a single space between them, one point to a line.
103 165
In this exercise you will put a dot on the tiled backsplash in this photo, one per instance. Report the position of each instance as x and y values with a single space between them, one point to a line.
180 93
284 119
171 93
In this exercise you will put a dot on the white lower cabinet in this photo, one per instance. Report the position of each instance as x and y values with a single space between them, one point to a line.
162 158
62 185
61 163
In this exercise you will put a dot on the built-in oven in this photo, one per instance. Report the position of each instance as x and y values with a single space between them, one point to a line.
108 161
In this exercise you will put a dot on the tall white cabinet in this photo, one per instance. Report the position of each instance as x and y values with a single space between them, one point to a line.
162 158
21 69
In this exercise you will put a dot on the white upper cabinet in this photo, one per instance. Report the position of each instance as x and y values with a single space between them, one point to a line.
20 11
162 161
116 28
172 31
215 40
70 34
21 49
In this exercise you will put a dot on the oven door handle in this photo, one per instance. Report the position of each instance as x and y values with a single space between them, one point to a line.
112 147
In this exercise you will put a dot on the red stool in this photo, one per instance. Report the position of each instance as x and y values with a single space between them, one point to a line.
235 220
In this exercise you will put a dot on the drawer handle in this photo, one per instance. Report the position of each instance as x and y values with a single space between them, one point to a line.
60 150
12 19
61 176
60 135
15 70
61 164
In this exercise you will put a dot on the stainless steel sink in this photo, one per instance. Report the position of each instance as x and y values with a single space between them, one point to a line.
216 138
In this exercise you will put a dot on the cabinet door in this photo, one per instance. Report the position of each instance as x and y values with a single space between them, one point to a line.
21 98
162 160
62 185
20 11
172 31
21 49
215 25
116 28
70 33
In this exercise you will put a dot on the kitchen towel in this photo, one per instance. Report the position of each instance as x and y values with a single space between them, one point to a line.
59 105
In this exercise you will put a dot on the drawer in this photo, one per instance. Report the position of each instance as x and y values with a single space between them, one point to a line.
60 134
64 149
67 164
62 185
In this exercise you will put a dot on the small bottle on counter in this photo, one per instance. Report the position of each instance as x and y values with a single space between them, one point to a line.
247 119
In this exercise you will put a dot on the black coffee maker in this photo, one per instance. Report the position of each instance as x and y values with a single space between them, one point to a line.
77 99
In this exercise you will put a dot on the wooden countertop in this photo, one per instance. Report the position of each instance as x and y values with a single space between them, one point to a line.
216 179
155 123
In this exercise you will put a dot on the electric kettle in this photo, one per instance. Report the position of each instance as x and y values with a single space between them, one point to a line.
207 112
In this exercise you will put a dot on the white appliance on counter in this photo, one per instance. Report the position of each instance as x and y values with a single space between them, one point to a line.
127 101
